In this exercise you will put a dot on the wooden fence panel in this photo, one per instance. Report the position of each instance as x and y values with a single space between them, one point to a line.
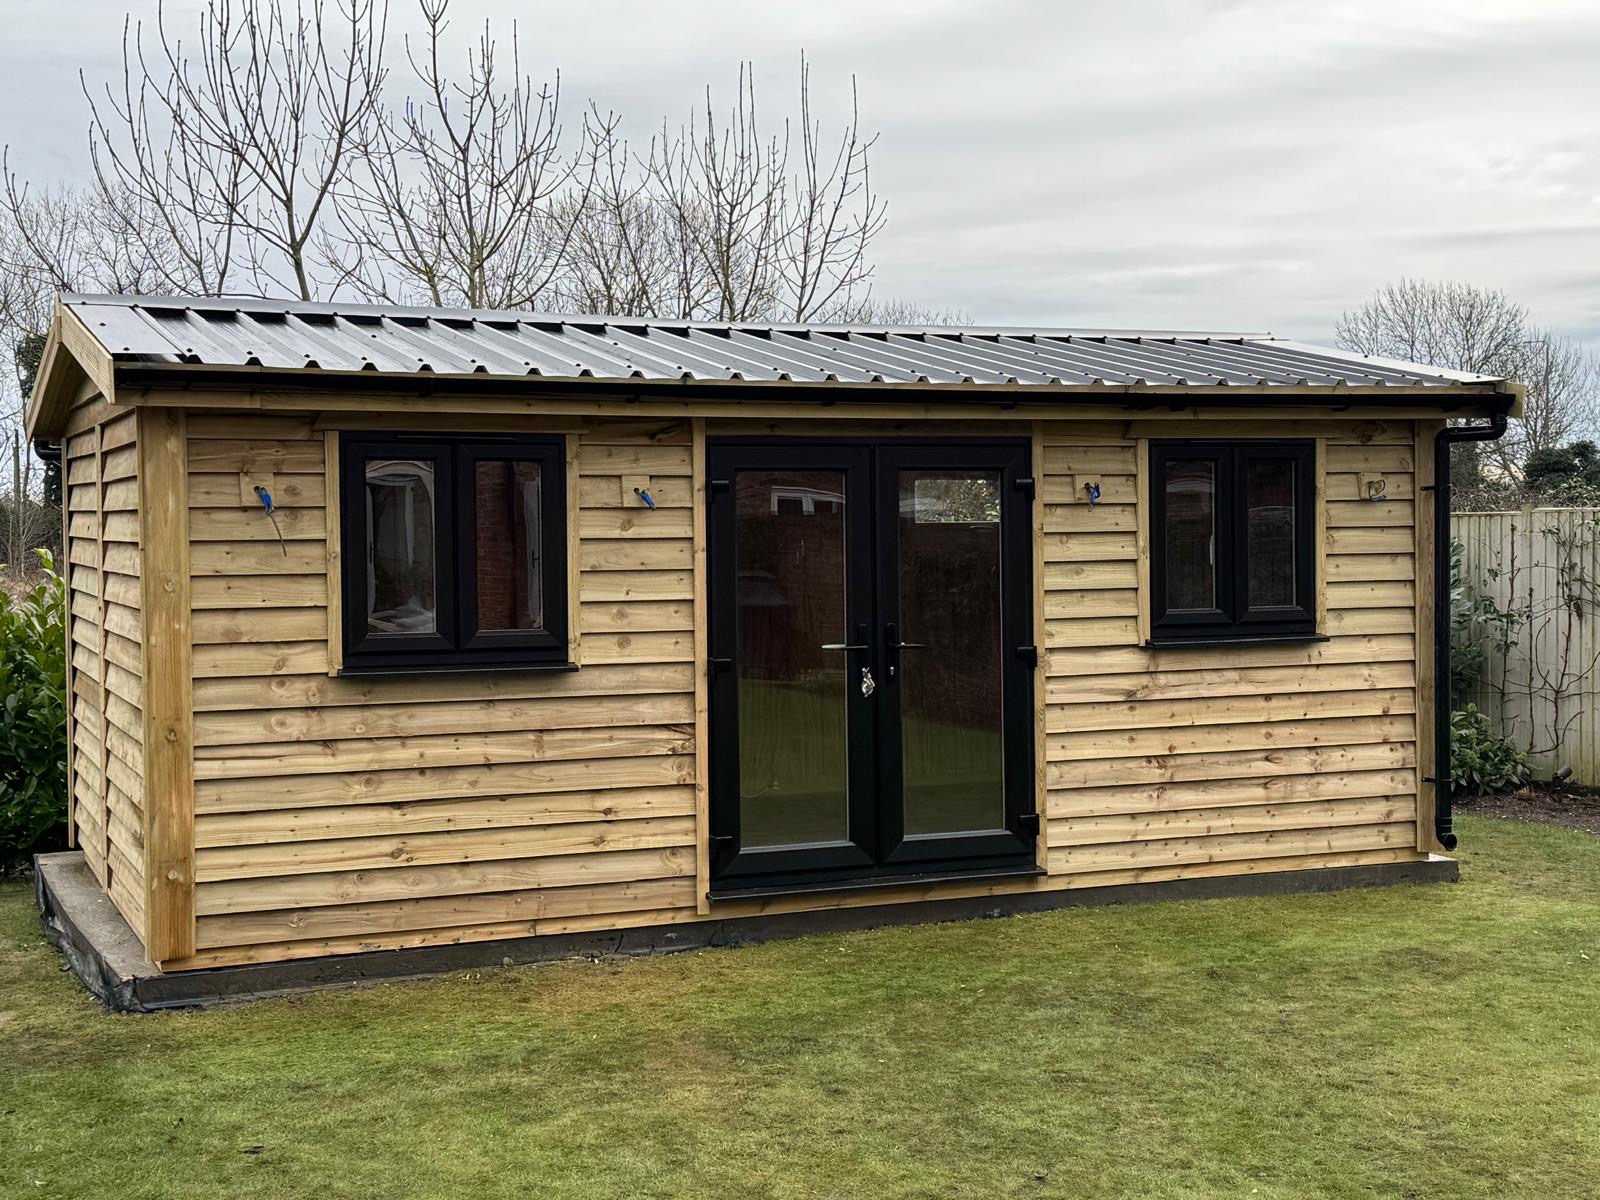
1542 677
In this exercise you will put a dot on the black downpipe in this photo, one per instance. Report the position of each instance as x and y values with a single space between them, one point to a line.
1443 785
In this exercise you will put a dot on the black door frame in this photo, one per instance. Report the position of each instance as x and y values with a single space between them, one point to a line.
877 851
1011 461
729 859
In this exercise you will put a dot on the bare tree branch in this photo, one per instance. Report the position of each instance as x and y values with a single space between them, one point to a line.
1470 328
239 149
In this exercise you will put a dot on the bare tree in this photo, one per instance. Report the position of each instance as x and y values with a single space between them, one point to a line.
761 236
237 150
267 157
873 310
626 254
1455 325
1562 404
836 213
1469 328
456 196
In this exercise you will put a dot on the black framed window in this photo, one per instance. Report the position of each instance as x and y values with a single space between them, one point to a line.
1233 551
454 552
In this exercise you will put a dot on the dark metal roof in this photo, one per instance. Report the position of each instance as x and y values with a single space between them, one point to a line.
398 340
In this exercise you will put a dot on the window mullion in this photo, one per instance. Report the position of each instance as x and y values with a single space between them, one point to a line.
454 512
1231 519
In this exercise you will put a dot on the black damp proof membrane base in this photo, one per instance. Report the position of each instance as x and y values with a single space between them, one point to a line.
103 952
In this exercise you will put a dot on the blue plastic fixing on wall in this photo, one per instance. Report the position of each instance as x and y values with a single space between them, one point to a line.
644 494
1094 494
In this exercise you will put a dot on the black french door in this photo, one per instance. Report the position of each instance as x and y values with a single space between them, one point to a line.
870 658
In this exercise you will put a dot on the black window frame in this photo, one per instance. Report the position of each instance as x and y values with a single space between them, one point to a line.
1232 618
458 644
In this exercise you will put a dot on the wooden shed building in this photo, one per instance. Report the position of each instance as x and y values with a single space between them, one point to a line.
395 628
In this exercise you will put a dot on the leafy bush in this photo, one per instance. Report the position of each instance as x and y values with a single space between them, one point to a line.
1481 761
33 718
1476 623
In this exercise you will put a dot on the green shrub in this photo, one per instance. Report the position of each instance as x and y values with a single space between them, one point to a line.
1481 761
33 719
1476 623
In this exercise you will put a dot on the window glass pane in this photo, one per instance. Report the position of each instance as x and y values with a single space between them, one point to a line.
1191 535
400 547
1269 493
951 708
793 752
506 531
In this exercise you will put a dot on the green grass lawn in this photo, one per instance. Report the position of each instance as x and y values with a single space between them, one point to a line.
1407 1042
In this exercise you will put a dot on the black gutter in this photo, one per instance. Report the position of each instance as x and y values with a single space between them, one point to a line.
1443 785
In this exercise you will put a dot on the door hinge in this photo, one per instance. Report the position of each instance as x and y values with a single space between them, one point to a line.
1029 823
713 665
1024 485
1029 655
720 839
714 487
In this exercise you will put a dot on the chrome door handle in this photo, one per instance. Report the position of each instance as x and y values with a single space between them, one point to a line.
868 684
850 647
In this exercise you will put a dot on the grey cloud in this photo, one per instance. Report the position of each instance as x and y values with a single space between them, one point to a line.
1262 164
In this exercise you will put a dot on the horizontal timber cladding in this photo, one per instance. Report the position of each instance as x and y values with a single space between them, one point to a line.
1182 758
105 671
408 811
335 815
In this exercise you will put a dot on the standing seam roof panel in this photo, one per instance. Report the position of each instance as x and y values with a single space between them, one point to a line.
883 359
1143 363
400 340
1250 373
1151 365
944 351
734 352
1015 365
1329 370
815 368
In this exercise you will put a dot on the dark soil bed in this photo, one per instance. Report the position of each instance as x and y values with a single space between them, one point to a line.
1543 803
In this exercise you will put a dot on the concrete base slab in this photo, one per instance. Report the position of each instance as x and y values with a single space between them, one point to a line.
103 951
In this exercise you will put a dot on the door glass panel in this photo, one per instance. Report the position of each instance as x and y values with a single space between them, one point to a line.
790 552
506 532
1191 535
400 547
1269 491
951 714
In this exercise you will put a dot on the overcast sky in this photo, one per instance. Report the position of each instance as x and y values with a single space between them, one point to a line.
1259 164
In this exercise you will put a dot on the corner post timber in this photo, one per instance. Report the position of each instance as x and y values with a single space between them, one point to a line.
1426 616
702 666
168 687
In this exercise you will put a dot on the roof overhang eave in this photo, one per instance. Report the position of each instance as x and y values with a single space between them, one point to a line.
1444 396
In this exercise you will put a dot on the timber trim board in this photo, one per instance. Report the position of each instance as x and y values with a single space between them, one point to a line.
55 386
702 668
1424 532
1041 662
331 523
571 444
291 389
92 934
290 379
168 687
